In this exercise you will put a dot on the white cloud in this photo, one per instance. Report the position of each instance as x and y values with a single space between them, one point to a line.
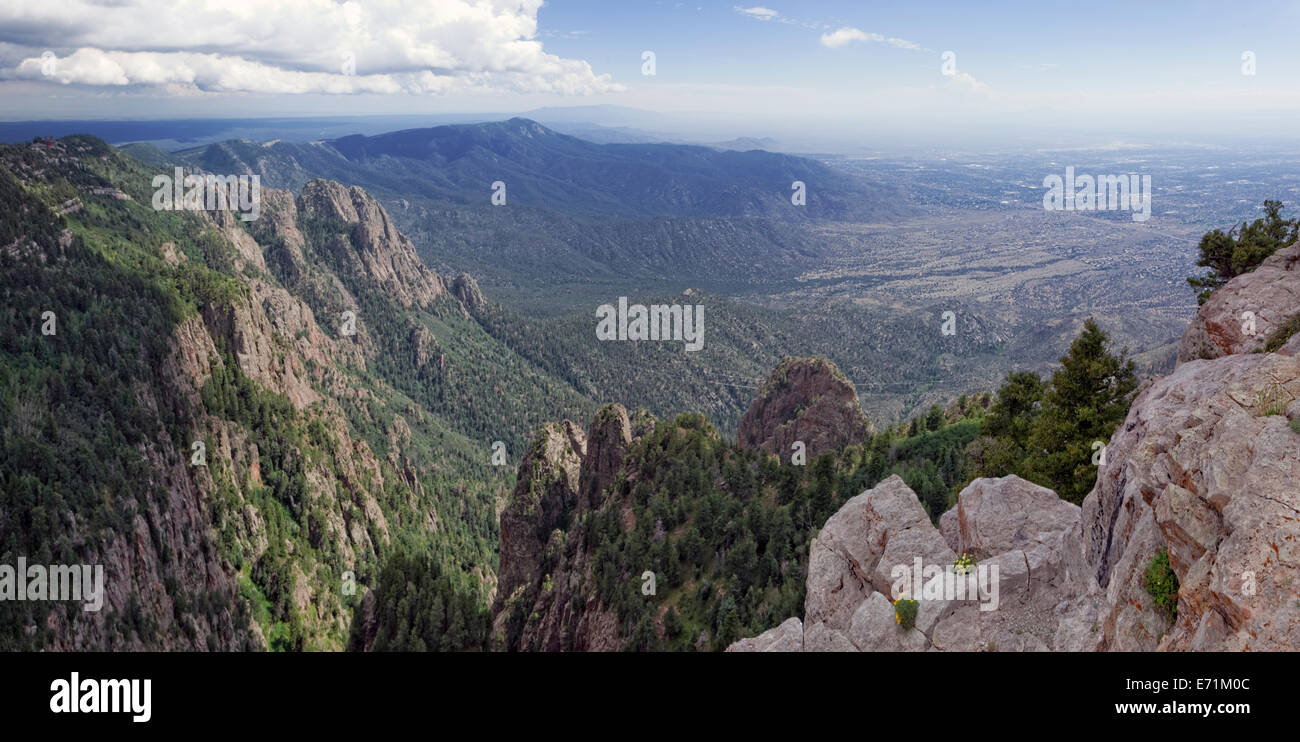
843 36
848 34
295 46
758 11
903 44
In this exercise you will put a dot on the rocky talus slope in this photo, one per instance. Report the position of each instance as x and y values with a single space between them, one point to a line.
1206 466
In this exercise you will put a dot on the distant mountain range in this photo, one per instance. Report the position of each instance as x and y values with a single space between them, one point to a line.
584 223
573 208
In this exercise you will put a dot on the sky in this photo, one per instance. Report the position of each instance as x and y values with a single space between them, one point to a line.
931 69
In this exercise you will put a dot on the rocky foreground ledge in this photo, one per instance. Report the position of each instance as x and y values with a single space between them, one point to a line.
1205 466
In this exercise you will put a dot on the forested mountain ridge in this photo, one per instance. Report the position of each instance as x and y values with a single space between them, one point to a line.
239 420
1130 536
572 209
559 172
645 535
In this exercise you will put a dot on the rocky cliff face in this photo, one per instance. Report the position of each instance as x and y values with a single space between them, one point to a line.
1045 599
546 582
274 338
1205 467
545 495
189 556
808 400
1271 293
374 248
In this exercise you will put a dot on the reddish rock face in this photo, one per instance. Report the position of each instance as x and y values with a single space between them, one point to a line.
806 400
1270 293
375 248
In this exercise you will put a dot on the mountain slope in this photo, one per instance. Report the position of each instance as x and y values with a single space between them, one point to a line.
644 534
236 455
575 208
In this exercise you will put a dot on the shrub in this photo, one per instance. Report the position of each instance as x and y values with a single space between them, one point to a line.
905 612
963 564
1270 401
1162 584
1241 249
1281 334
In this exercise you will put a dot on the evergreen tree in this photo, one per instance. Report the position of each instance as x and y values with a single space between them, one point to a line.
934 419
1088 396
1241 249
1008 423
728 629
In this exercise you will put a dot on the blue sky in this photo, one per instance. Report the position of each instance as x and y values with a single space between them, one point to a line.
1150 55
829 64
1008 42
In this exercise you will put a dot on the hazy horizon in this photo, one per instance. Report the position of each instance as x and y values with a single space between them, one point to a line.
820 76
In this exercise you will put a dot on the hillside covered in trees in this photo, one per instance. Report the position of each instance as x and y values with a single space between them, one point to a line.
280 435
723 530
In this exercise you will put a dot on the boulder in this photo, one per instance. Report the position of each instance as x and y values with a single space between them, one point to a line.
1206 467
1032 591
1271 293
788 637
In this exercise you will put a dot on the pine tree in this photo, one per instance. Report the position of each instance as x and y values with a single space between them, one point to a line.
934 419
728 629
1088 396
1242 249
1008 423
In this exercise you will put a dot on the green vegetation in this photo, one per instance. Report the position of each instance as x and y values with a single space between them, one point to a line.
419 609
1044 432
1278 337
1271 400
905 613
729 529
79 436
96 425
1161 584
964 563
1241 249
